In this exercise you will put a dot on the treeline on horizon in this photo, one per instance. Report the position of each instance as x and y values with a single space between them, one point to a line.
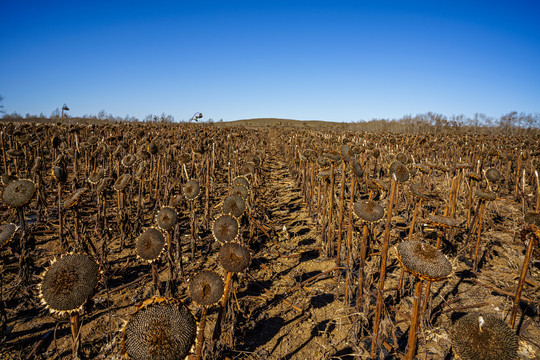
512 122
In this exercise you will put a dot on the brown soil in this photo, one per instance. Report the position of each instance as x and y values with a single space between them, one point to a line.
290 303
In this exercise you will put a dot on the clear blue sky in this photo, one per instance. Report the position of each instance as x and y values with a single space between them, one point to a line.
328 60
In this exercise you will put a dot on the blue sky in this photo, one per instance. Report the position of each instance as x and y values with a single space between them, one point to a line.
326 60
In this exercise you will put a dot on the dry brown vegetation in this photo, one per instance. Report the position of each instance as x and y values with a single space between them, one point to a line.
320 210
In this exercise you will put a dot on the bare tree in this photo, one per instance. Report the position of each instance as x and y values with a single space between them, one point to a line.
166 118
508 121
55 114
2 111
102 115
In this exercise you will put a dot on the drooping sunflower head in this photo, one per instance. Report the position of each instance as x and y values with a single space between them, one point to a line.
69 282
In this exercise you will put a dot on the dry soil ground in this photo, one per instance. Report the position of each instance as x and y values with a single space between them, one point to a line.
290 303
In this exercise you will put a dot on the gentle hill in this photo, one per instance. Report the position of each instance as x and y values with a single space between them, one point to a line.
271 122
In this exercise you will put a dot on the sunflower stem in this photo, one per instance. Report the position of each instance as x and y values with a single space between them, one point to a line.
74 321
217 328
523 275
411 343
382 269
155 278
200 334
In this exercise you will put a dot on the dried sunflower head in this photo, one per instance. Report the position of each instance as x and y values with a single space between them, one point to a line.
368 210
441 221
234 257
69 282
59 174
225 228
473 176
153 148
346 152
400 170
206 288
480 336
192 189
493 174
129 160
18 193
160 329
241 180
166 218
240 190
96 176
403 158
423 260
485 195
6 234
247 169
121 183
356 168
150 244
74 198
234 205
